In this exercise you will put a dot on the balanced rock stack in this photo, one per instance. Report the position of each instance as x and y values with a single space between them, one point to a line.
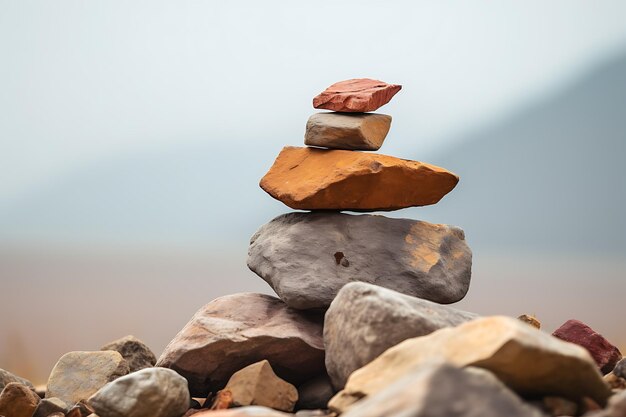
360 329
308 257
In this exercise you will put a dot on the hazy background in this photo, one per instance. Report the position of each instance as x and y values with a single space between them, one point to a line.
134 133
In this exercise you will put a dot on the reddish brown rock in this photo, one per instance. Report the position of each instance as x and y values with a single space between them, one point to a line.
237 330
322 179
356 95
18 400
603 352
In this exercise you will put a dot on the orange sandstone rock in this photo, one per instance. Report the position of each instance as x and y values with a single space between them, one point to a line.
322 179
356 95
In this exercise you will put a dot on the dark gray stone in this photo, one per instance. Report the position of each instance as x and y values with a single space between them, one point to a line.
134 351
49 406
620 368
307 257
443 390
314 394
364 320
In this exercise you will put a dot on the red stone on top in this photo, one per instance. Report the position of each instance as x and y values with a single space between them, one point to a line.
603 352
358 95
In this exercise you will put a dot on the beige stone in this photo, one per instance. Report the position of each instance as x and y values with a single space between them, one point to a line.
351 131
78 375
257 384
527 360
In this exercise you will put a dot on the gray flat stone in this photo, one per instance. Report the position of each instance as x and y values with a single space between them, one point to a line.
364 320
356 131
307 257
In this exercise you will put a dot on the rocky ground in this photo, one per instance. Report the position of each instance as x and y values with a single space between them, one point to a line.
360 327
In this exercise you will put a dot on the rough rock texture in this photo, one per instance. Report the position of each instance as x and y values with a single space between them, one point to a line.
151 392
603 352
527 360
315 393
364 320
308 257
323 179
257 384
365 132
49 406
7 377
251 411
134 351
18 400
356 95
237 330
443 390
78 375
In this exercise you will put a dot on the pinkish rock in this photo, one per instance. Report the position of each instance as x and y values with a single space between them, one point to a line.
603 352
356 96
234 331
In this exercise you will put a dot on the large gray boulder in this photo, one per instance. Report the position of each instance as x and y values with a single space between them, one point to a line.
237 330
364 320
307 257
443 390
151 392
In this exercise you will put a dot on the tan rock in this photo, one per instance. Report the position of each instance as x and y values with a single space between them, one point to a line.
527 360
78 375
529 319
356 95
251 411
18 400
257 384
364 132
316 179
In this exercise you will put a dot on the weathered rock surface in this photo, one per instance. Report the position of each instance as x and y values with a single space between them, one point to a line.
257 384
49 406
18 400
443 390
315 394
237 330
78 375
527 360
150 392
603 352
7 377
250 411
134 351
364 132
308 257
325 179
364 320
356 95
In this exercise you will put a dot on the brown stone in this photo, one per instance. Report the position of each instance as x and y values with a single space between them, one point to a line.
532 320
360 132
257 384
18 400
134 351
356 95
237 330
321 179
603 352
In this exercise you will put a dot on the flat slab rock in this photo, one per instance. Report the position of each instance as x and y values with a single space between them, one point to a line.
364 320
527 360
237 330
150 392
364 132
356 95
308 257
78 375
325 179
603 352
444 390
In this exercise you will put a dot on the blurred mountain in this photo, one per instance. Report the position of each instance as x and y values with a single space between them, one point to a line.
548 178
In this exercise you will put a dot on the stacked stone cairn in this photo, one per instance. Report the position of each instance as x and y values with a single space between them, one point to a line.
360 328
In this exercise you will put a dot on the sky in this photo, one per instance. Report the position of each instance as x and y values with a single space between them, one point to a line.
84 81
